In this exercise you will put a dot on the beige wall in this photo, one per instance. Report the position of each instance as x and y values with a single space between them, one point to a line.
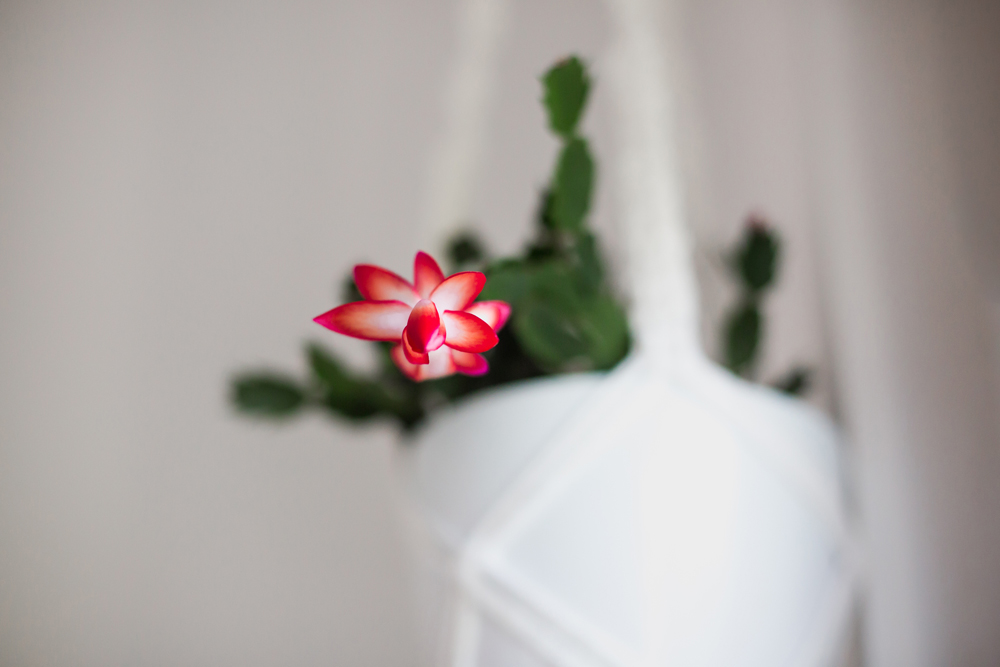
183 187
909 317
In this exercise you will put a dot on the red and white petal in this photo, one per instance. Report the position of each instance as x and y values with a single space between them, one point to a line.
468 363
377 284
426 274
369 320
423 329
441 365
494 313
458 291
466 332
412 355
411 371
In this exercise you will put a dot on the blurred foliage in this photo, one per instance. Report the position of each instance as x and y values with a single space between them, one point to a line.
756 258
566 87
267 395
564 318
794 382
571 187
743 333
755 261
464 250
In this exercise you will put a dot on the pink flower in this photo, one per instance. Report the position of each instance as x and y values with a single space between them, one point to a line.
438 328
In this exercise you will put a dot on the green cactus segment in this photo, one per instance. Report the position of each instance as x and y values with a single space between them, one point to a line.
566 86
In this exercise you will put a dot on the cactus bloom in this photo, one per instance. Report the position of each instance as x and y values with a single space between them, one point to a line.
434 322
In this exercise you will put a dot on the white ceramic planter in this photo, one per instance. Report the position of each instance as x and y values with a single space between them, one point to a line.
630 519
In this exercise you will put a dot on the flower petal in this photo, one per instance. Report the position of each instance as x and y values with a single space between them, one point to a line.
458 291
468 363
398 356
494 313
466 332
423 330
441 364
377 284
426 274
370 320
412 355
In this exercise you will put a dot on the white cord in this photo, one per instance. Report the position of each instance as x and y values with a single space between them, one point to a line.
455 164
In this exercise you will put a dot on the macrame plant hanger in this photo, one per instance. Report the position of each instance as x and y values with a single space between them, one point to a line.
667 355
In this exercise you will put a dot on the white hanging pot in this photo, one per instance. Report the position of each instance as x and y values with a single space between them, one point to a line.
630 519
665 513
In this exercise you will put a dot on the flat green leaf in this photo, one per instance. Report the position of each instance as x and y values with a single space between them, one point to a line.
566 89
554 282
571 190
267 395
605 329
349 292
757 258
794 383
547 336
465 249
355 406
325 367
342 393
509 281
543 214
589 268
345 394
743 331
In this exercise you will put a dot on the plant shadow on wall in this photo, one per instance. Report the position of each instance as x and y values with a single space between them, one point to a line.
564 315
